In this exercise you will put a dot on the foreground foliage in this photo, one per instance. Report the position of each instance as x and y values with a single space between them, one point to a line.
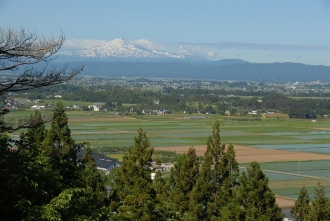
306 209
44 180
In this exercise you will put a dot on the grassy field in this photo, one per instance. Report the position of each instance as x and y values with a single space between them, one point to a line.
106 129
118 156
286 178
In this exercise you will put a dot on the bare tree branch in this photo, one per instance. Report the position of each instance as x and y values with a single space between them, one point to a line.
21 49
12 124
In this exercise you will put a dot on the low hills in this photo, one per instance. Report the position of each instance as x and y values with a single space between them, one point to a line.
230 69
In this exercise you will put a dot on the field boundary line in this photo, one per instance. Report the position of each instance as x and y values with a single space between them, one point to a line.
294 174
285 198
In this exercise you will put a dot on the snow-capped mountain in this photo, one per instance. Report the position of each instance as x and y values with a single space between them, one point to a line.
119 49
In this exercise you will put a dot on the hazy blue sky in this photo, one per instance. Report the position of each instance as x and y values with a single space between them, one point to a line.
252 30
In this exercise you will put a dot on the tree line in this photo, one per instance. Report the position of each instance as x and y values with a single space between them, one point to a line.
306 108
216 101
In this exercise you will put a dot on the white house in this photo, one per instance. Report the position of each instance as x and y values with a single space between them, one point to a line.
253 112
94 107
37 107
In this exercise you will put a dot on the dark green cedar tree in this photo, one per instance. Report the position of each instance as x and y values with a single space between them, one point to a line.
320 209
181 181
163 205
218 178
36 134
133 195
255 198
62 149
301 206
28 176
85 197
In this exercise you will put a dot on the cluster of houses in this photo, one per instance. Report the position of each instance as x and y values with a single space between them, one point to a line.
96 106
254 112
74 107
105 163
269 111
38 107
150 112
162 168
11 104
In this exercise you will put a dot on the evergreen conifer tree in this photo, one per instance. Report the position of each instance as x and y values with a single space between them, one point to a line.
94 179
301 207
35 135
133 195
163 206
60 146
229 174
320 209
81 203
255 198
182 179
218 177
27 176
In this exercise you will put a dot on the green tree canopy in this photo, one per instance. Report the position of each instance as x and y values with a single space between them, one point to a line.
133 194
60 146
320 209
182 179
218 178
255 199
301 206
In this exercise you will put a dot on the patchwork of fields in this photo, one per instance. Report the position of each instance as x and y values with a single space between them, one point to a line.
292 153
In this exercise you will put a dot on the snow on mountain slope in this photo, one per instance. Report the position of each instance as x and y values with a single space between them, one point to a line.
119 48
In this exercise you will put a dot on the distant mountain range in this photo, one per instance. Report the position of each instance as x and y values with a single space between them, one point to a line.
119 50
275 72
119 58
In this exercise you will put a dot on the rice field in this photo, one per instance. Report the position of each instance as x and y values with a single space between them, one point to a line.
307 148
175 130
287 178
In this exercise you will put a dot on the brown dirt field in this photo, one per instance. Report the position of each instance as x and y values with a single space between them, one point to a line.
284 203
245 154
274 115
321 128
91 119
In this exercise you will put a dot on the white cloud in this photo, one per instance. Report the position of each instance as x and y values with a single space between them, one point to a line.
258 46
191 49
212 54
145 43
198 51
259 53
